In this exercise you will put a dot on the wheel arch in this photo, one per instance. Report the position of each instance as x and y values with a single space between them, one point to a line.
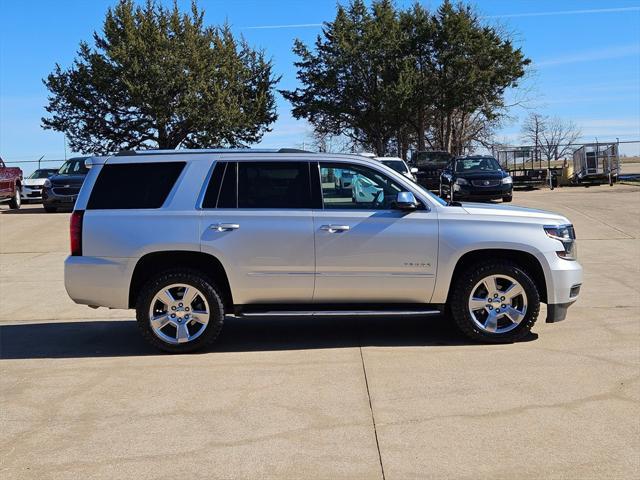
154 263
524 259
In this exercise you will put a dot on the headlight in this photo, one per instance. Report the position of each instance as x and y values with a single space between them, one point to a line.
567 235
47 183
507 180
461 181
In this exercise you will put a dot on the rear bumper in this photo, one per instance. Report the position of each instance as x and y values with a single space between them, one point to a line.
95 281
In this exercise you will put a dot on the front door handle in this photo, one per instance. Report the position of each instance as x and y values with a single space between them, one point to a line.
335 228
224 227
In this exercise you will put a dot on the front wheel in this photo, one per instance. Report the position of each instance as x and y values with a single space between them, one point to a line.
180 311
495 301
507 198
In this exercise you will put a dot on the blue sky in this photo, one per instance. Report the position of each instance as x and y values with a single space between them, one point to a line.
586 60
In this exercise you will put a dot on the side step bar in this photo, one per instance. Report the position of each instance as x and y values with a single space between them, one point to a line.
339 313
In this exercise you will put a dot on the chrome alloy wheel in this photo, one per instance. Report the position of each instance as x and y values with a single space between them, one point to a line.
179 313
497 304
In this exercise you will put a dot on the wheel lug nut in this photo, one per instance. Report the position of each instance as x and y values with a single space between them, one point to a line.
490 300
495 295
181 304
502 298
173 308
490 307
497 310
503 306
186 309
173 315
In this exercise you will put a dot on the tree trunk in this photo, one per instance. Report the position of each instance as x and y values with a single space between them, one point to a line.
420 132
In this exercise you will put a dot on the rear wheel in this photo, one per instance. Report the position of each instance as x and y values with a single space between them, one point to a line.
180 311
16 202
507 198
495 301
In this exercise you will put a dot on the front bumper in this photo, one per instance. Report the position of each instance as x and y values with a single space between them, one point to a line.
564 281
52 199
29 193
468 192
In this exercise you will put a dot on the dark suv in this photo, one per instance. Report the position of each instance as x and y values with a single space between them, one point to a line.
61 190
476 178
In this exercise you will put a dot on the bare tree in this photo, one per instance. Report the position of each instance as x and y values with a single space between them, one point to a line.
557 137
533 129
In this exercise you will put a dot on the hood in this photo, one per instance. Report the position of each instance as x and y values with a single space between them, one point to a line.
512 211
67 179
33 181
482 175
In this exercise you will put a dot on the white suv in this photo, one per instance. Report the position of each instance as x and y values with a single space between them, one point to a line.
187 237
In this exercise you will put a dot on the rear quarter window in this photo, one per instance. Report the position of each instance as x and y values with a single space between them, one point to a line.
134 185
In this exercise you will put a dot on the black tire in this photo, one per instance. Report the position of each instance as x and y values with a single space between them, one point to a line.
16 201
49 209
507 199
188 277
462 289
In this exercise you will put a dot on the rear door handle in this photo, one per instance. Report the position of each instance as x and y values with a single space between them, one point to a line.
335 228
224 227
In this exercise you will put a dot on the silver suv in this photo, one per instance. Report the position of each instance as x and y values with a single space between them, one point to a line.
187 237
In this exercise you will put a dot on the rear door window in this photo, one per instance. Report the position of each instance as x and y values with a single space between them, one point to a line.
274 185
134 185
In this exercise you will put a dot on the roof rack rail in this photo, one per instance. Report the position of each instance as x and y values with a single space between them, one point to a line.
128 153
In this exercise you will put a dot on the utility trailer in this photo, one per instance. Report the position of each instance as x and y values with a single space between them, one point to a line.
524 164
596 163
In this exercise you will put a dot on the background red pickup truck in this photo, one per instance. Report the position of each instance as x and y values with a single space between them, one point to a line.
10 185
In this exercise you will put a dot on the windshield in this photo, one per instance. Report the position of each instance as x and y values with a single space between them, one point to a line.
397 165
432 157
73 167
42 173
470 165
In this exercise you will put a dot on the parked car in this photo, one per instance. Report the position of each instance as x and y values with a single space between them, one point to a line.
33 184
476 178
207 233
61 190
400 166
430 164
10 185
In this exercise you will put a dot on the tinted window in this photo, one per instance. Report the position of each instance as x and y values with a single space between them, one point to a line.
274 185
349 187
228 197
213 189
134 185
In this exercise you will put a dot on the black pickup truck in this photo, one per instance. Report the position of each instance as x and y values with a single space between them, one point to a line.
430 164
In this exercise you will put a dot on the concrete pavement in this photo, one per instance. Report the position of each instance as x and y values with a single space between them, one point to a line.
82 396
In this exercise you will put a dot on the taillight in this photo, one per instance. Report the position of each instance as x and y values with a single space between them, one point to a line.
75 230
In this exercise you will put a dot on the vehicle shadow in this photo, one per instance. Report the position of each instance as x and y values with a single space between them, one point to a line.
115 338
28 210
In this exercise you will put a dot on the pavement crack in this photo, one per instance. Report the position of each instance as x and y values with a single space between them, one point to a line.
373 418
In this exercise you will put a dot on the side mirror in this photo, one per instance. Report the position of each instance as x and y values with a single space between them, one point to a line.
413 170
406 201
